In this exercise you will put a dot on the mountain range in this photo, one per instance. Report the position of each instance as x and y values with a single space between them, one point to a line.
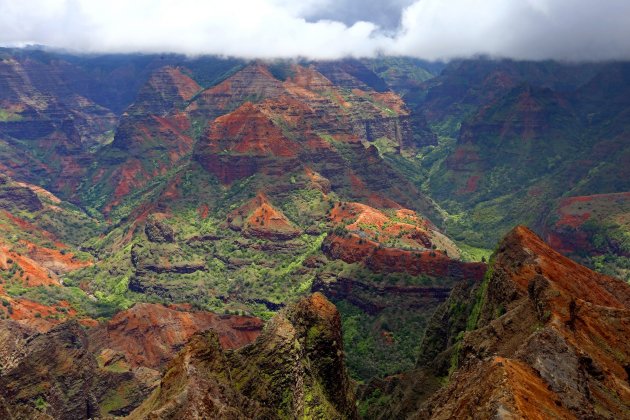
379 238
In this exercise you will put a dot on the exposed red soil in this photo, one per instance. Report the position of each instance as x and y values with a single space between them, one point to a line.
321 306
309 78
254 80
33 273
404 225
465 158
40 265
39 316
319 182
54 260
186 87
203 211
391 100
567 276
567 235
248 130
378 200
126 175
471 184
531 394
27 226
358 186
596 325
352 248
259 218
558 349
150 335
172 190
572 215
504 388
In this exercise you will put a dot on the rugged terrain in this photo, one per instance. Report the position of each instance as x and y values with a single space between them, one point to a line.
539 337
69 372
157 211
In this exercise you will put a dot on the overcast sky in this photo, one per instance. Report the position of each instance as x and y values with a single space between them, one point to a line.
430 29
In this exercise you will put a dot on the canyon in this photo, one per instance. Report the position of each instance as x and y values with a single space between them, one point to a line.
384 238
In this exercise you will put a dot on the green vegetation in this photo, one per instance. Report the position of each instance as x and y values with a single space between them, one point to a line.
8 116
40 403
471 253
374 401
382 344
52 295
480 297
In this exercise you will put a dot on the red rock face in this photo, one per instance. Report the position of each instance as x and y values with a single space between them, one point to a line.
152 138
37 316
259 218
288 118
572 279
166 90
243 143
254 81
150 335
404 225
397 241
353 248
299 353
568 233
248 131
154 145
560 349
40 265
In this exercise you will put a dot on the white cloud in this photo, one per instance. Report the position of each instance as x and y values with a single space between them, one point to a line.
528 29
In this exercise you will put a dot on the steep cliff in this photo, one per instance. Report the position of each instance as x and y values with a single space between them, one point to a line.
294 369
541 339
149 335
47 128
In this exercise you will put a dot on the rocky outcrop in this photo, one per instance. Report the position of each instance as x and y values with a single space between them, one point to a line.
167 89
158 231
29 253
152 137
541 339
353 248
150 335
57 377
294 369
73 373
258 218
16 197
243 143
394 227
253 82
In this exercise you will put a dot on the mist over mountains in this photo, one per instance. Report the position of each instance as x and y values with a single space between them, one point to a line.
271 209
322 29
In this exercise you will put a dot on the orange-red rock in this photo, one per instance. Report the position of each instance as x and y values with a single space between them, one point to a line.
258 217
150 335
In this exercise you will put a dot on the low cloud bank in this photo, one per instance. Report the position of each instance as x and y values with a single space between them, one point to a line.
327 29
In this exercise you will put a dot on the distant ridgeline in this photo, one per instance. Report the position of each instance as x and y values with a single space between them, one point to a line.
339 214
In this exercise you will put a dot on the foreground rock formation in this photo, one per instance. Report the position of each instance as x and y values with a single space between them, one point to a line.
71 372
540 337
295 369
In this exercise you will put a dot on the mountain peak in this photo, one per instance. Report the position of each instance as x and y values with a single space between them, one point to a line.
525 255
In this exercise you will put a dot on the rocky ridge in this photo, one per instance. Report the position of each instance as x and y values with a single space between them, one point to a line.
540 340
294 369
